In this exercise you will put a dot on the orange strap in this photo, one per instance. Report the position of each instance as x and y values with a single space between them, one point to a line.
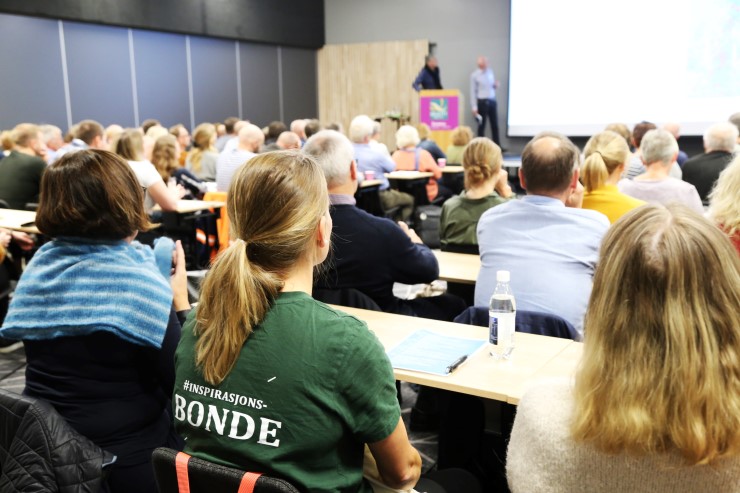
248 481
181 467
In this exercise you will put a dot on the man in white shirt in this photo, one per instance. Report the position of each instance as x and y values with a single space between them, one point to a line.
483 85
250 139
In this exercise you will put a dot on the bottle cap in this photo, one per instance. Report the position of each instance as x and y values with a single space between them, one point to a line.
503 276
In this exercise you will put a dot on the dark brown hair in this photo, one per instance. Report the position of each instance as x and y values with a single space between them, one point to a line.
91 194
639 132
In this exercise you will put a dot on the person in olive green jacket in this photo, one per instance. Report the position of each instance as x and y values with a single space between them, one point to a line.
486 186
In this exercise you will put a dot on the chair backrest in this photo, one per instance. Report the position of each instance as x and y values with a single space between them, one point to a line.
39 451
461 248
530 322
4 204
177 472
346 297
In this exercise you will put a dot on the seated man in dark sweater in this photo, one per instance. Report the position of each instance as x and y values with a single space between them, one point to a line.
370 253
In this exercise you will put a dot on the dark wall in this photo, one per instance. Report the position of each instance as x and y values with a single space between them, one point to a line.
298 23
61 72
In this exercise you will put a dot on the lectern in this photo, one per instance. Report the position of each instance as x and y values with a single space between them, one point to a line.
440 109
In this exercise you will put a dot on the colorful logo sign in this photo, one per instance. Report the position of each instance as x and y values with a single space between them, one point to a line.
440 112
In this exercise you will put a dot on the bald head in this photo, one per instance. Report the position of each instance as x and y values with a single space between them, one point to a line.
289 140
251 138
674 128
298 127
482 62
549 161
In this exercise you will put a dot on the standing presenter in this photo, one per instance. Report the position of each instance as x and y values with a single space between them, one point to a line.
428 77
483 85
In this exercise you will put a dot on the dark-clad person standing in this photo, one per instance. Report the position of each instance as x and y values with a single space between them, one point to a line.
21 170
428 77
703 170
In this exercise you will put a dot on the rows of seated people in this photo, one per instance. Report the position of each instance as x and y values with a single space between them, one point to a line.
263 376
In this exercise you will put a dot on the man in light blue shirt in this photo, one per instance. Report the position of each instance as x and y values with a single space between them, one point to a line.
368 158
483 86
548 243
249 141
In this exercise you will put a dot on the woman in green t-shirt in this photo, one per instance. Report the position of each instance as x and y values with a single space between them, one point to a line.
270 380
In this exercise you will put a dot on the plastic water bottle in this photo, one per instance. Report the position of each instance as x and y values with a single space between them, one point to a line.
501 318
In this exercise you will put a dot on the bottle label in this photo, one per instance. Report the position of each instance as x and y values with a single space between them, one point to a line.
501 328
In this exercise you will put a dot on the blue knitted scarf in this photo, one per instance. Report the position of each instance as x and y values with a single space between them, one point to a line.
74 286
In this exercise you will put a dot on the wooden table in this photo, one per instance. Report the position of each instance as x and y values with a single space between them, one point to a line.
370 183
534 357
412 182
462 268
188 206
18 220
453 168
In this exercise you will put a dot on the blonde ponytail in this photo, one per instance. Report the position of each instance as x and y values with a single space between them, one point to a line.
481 160
604 153
275 204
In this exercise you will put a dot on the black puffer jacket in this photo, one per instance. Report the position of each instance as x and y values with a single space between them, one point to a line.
40 452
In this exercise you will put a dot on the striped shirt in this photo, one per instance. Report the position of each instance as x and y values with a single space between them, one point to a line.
228 162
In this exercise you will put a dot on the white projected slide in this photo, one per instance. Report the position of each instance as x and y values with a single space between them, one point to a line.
578 65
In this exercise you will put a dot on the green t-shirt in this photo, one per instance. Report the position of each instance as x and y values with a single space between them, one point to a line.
460 215
310 387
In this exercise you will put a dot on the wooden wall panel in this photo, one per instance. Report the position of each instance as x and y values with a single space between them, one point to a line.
370 78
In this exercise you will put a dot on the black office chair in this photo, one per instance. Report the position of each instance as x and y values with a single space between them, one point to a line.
4 204
39 451
470 249
345 297
545 324
201 476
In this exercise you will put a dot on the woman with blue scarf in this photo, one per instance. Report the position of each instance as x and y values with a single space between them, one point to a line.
100 315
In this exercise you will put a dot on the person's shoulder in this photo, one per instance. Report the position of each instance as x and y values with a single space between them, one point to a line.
357 216
452 203
589 215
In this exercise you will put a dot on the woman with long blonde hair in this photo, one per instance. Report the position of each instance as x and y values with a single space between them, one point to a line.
202 158
724 201
269 379
656 401
605 156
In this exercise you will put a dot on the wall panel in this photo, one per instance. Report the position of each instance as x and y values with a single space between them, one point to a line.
260 83
99 70
31 74
299 83
162 77
215 92
369 78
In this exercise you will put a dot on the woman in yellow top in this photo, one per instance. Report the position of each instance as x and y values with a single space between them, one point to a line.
606 155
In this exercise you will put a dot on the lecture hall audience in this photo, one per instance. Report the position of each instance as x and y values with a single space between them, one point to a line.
202 158
658 150
486 186
460 137
703 170
97 314
652 408
258 333
130 146
724 203
249 141
605 157
410 157
22 169
548 243
370 159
